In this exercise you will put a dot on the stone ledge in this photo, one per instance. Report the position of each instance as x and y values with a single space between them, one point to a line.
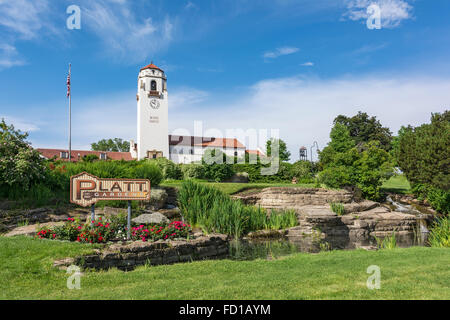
129 256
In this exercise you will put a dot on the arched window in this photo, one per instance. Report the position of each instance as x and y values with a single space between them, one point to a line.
153 85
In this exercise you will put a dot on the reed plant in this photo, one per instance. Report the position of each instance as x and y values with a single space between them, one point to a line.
214 211
388 242
337 208
439 235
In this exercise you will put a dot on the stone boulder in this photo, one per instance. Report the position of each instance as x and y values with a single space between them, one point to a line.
153 218
30 230
240 177
158 198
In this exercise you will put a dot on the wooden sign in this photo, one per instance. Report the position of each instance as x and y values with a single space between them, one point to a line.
86 189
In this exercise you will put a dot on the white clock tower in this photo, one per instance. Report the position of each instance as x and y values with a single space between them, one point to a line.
153 114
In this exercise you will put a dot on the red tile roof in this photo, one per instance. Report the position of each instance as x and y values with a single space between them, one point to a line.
79 154
205 142
151 66
257 152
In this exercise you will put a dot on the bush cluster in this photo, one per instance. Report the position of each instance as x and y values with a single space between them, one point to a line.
343 163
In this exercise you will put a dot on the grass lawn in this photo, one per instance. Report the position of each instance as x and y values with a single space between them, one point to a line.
232 188
26 272
397 184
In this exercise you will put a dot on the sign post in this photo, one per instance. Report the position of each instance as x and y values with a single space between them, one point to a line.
92 213
129 221
86 190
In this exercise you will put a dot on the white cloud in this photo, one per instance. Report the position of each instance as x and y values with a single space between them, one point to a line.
126 36
304 109
25 18
393 12
186 97
9 57
22 20
283 51
307 64
20 124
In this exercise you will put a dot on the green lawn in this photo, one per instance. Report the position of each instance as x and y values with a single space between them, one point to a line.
397 184
232 188
414 273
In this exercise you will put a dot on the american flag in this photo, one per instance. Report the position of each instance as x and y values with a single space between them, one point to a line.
68 84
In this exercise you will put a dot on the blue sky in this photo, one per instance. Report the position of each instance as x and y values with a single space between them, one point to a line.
291 65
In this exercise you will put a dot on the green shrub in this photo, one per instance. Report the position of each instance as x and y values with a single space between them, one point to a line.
439 235
216 171
215 211
70 231
303 171
147 171
193 171
365 166
439 200
20 165
90 158
169 169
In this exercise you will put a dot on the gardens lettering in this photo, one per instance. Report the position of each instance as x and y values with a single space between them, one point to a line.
115 190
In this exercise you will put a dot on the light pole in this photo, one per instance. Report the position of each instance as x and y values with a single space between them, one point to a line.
317 149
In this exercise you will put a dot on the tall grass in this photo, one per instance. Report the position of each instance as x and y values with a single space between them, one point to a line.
439 235
214 211
337 208
388 242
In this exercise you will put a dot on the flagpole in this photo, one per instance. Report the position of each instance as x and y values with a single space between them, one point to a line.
70 115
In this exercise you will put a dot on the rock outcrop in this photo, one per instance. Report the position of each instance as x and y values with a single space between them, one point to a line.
362 221
294 198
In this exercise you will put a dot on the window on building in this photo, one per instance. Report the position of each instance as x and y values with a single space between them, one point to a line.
154 156
64 155
192 151
103 156
181 151
154 87
235 153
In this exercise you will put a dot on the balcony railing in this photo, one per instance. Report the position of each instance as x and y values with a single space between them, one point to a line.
154 93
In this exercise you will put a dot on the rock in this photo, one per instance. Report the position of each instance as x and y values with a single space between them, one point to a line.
171 213
109 211
295 198
158 198
154 218
360 206
30 230
240 177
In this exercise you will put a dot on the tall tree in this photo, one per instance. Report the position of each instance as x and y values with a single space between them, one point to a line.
20 164
116 144
283 152
344 164
424 152
364 129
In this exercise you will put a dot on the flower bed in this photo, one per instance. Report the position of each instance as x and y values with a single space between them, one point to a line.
100 231
176 229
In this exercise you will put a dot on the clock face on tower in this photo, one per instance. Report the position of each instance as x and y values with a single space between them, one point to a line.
154 104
